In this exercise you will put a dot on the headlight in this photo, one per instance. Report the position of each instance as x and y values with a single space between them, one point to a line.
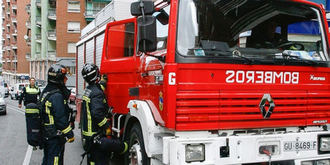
324 144
195 152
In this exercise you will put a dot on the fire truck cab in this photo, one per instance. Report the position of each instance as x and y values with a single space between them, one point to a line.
220 82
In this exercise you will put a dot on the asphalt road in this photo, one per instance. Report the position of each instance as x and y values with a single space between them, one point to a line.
14 149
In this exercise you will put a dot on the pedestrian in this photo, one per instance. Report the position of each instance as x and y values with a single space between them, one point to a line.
95 125
29 94
56 116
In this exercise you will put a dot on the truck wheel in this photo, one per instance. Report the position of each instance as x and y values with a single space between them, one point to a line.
136 154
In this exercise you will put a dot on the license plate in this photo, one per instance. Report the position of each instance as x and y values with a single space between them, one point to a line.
299 146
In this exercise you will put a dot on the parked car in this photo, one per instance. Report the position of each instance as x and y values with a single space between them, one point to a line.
16 90
3 104
72 97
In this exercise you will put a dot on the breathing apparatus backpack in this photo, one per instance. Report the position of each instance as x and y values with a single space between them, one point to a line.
34 123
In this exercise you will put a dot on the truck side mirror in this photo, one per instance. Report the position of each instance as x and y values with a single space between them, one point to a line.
147 38
142 6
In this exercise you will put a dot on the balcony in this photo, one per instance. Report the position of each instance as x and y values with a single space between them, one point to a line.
3 6
52 14
14 20
52 35
14 7
38 38
28 8
28 55
51 54
28 24
8 1
8 36
90 14
8 25
14 46
14 33
8 48
38 19
38 3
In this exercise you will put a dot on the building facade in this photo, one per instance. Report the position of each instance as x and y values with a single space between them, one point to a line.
55 29
10 40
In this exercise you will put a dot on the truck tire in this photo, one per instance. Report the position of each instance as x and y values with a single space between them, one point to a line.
136 154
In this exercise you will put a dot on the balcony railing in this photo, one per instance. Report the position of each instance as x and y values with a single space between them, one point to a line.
14 20
51 54
38 38
8 25
28 8
28 55
91 13
38 3
8 1
52 14
8 36
52 35
28 24
38 19
14 7
13 46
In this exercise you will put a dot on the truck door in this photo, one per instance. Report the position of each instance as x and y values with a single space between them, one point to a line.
120 63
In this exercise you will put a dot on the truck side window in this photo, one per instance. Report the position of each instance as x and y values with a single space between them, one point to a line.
120 41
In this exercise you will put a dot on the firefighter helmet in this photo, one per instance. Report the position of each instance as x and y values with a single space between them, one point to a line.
57 74
90 73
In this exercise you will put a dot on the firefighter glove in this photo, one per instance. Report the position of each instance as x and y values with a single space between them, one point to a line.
70 140
108 132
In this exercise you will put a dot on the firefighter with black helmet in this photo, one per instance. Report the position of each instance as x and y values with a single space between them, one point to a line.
56 116
95 125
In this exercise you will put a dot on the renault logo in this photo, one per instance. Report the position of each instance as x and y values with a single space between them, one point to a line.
266 106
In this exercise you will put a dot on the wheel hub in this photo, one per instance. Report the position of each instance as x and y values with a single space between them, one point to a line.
135 155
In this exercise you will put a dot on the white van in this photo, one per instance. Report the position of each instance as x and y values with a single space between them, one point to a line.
16 90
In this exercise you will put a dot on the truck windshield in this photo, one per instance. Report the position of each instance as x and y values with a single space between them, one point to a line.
250 31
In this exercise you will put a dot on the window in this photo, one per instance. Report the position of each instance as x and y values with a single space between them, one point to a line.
74 27
71 47
73 6
121 40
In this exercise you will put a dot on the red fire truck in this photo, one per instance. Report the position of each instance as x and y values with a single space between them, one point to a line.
221 82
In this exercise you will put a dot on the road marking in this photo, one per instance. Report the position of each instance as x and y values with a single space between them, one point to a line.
28 156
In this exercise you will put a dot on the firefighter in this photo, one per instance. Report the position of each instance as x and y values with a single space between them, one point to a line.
56 116
29 94
95 125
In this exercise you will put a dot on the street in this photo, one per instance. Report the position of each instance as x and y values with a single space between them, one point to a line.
14 149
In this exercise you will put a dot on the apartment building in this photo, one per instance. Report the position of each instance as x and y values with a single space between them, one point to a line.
13 70
55 29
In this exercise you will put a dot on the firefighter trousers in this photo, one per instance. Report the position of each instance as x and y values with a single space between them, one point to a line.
54 151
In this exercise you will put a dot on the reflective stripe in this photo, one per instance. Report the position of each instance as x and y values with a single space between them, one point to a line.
88 133
66 130
102 87
102 122
31 110
31 90
92 163
50 117
89 118
56 160
64 101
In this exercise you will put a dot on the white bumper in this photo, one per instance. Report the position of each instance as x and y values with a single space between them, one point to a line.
242 149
